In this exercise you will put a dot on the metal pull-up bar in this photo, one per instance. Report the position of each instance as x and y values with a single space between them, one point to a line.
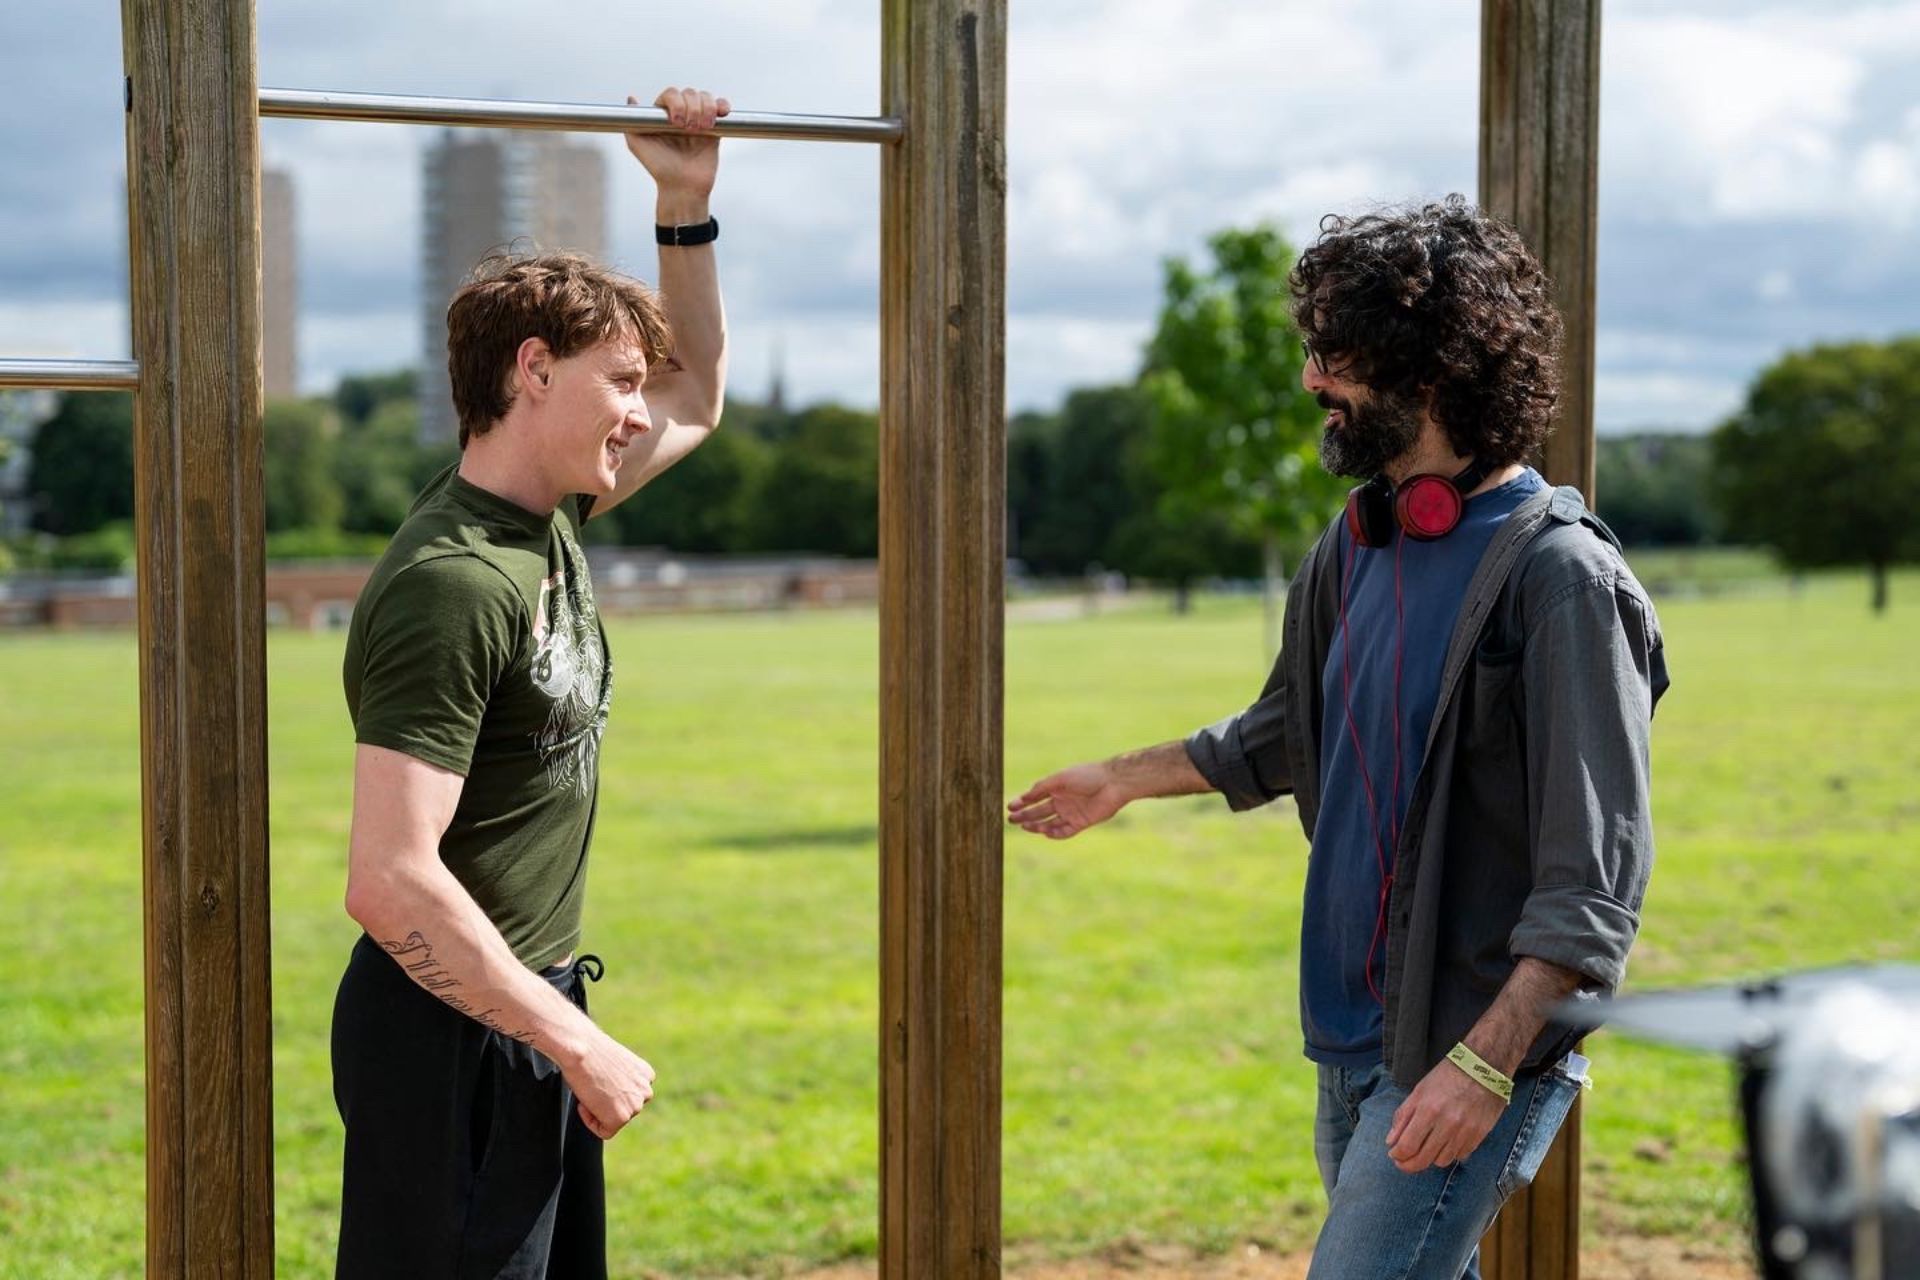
70 375
398 108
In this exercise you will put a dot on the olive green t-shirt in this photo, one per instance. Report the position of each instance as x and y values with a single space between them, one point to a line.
476 646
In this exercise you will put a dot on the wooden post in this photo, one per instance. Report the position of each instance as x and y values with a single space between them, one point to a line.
1539 170
194 212
1539 167
942 559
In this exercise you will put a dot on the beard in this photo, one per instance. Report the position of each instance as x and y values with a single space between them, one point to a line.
1369 436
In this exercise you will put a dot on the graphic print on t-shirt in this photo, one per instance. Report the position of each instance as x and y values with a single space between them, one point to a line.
570 667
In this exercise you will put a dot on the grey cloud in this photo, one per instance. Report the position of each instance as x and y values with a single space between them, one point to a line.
90 273
1227 110
62 156
1661 275
1039 285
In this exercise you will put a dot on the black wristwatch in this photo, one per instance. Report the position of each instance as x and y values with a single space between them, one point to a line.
690 233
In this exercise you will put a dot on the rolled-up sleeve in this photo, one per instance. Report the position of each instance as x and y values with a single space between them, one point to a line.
1593 670
1244 757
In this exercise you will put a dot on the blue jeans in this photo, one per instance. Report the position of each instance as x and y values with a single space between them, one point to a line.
1383 1224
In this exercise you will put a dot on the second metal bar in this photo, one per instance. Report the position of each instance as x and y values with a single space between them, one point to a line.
70 375
396 108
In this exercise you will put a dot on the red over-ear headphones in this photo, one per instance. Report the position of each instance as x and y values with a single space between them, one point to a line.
1425 507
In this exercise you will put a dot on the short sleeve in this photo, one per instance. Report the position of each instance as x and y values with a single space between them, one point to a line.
440 636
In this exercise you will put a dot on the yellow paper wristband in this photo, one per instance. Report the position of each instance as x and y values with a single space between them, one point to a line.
1480 1069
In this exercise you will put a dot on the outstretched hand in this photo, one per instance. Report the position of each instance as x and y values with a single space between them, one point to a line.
687 161
1066 803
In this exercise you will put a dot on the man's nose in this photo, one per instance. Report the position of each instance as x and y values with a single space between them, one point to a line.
1313 377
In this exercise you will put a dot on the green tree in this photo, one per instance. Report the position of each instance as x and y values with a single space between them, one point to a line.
1082 483
360 395
703 504
429 460
6 456
380 462
1654 489
1182 550
1234 432
81 476
1030 442
1083 490
374 466
822 490
1823 460
761 421
302 492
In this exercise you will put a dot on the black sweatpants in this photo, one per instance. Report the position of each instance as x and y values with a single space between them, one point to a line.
466 1158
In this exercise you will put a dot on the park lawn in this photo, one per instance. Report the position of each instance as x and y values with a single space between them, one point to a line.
1154 1089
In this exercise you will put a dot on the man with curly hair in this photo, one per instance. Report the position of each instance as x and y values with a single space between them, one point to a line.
475 1089
1461 711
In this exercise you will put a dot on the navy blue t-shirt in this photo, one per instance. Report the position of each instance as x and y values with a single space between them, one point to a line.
1401 600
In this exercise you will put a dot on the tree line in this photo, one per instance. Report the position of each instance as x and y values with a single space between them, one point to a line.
341 472
1087 484
1202 466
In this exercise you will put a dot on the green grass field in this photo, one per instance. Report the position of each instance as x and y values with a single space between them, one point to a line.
1154 1087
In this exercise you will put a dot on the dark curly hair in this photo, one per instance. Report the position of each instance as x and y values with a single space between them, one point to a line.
1438 298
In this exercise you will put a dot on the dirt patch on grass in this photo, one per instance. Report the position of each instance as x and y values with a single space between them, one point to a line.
1628 1258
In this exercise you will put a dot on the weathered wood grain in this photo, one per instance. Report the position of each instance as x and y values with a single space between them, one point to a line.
942 555
1539 169
193 202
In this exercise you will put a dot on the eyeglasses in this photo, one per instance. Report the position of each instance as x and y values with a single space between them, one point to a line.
1318 359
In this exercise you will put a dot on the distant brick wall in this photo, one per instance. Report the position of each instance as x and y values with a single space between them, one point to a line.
65 611
768 588
318 596
313 597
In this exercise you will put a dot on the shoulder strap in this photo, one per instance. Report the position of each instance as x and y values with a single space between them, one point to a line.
1569 506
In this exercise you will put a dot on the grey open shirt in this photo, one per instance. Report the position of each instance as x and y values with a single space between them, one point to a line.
1529 830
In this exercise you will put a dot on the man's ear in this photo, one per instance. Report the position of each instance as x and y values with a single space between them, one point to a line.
533 364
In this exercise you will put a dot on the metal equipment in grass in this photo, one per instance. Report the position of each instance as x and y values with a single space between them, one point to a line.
193 109
1828 1065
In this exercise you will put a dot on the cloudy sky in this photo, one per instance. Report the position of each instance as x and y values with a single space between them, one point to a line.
1759 175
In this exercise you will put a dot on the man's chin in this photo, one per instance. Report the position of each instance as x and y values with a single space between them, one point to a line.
1337 458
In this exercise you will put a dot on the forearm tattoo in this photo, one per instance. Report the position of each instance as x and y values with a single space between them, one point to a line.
415 955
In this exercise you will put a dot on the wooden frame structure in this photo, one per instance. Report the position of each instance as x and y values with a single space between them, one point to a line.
1539 169
193 193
